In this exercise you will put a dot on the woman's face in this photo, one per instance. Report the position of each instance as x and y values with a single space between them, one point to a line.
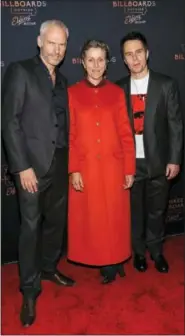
95 63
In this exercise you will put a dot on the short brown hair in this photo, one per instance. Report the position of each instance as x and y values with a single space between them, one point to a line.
95 44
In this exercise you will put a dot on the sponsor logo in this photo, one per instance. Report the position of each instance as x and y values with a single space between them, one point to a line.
78 60
23 12
6 180
2 64
175 210
181 55
134 11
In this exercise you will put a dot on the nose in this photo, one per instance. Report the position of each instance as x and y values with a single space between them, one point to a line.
96 64
57 49
134 57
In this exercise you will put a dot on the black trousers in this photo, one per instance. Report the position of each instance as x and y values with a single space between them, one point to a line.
149 198
43 219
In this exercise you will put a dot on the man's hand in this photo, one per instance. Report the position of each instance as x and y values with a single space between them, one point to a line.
28 180
129 180
172 170
77 181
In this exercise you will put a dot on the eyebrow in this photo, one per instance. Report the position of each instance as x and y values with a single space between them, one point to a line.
128 52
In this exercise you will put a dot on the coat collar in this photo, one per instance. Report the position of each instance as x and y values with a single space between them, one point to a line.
89 84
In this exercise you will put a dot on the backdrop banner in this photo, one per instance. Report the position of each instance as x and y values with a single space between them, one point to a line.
161 21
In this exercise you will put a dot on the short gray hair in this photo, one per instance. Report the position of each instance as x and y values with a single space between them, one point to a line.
58 23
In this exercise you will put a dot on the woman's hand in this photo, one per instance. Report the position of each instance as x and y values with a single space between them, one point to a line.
129 180
77 181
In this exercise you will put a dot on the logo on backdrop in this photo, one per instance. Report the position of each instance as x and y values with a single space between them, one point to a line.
23 12
6 180
134 11
78 60
175 210
2 64
180 56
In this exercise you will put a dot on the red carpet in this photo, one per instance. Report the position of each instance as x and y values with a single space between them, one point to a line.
150 303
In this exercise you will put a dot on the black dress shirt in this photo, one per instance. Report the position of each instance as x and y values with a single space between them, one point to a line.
57 106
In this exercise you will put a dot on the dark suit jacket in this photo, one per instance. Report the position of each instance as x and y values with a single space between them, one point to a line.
28 125
163 129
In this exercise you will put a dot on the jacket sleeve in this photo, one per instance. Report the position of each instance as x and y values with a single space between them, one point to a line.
126 136
74 165
13 96
175 124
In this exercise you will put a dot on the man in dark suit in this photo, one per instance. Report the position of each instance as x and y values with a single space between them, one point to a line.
155 116
35 131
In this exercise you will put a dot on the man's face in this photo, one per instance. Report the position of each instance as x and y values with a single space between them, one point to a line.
53 45
135 56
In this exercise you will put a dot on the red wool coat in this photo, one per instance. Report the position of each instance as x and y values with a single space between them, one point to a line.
102 150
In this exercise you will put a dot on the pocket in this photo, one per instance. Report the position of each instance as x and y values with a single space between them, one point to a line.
118 155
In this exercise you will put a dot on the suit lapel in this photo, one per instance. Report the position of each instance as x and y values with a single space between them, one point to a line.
41 80
153 93
63 90
128 100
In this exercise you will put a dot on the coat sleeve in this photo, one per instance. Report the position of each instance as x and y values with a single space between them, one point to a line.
13 96
126 136
175 125
74 165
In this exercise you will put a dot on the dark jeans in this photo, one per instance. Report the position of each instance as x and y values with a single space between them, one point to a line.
149 198
43 219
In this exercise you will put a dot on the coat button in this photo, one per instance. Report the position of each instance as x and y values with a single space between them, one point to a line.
98 140
56 125
53 142
98 156
97 124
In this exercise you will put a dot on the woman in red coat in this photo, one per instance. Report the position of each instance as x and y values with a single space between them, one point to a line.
102 166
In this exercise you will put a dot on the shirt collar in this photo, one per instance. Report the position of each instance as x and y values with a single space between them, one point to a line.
89 84
44 67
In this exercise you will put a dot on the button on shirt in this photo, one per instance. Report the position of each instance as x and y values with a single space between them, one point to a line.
57 107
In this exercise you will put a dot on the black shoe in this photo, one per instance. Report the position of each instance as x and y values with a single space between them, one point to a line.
140 263
108 273
120 270
160 263
108 279
58 278
28 312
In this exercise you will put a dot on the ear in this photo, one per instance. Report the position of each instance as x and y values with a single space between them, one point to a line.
83 64
147 54
39 41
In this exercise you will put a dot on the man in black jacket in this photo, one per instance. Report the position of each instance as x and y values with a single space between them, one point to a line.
35 126
155 116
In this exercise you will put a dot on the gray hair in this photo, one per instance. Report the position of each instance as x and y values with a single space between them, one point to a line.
48 23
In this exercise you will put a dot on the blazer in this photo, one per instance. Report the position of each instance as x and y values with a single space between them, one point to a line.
29 126
163 126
